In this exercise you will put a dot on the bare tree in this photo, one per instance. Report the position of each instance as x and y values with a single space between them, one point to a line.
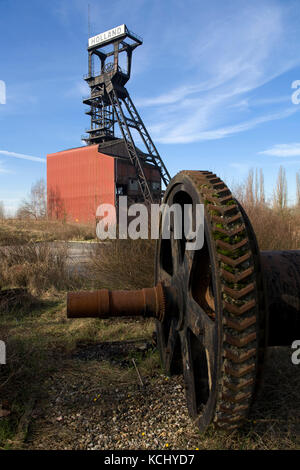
298 189
256 188
2 210
262 197
280 193
35 207
249 196
252 191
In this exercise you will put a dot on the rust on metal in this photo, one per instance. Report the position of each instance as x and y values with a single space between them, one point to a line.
148 302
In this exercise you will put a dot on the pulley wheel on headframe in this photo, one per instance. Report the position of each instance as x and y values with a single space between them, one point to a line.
216 337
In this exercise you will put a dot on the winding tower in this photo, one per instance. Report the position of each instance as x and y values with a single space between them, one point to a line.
110 104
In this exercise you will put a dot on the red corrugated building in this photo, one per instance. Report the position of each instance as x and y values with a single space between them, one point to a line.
80 179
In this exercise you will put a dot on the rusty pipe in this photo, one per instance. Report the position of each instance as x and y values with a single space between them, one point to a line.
104 303
281 274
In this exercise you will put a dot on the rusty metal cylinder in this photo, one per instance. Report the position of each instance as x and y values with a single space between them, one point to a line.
104 303
281 274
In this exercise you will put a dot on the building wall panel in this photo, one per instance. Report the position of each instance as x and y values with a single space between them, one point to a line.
78 180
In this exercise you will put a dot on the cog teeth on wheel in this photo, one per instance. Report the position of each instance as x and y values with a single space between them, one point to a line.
216 182
229 247
237 294
218 192
240 342
239 310
240 386
229 220
239 358
229 233
227 427
234 262
219 200
236 398
233 419
236 277
242 325
222 209
233 409
223 200
161 302
240 372
242 310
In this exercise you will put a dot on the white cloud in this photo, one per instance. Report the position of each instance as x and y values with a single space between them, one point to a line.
78 90
211 62
283 150
2 92
236 54
176 95
3 169
22 156
187 136
271 100
242 168
11 205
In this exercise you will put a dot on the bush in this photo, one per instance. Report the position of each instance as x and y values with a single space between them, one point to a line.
274 229
37 267
276 226
123 264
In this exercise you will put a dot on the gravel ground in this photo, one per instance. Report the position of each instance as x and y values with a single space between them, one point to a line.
94 401
97 402
128 417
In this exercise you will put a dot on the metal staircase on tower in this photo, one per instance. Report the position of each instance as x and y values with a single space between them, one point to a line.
110 103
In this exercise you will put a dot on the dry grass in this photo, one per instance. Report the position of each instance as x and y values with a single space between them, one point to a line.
16 231
123 264
36 267
39 338
276 226
274 229
40 341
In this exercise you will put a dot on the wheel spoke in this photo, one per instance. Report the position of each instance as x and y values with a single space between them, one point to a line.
175 253
188 373
164 276
171 344
205 328
189 255
198 320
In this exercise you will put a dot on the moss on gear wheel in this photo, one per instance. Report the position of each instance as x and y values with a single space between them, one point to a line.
216 337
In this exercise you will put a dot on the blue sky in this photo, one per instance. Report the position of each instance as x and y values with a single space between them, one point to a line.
212 82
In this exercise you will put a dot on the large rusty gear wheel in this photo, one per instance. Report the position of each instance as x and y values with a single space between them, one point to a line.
217 336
